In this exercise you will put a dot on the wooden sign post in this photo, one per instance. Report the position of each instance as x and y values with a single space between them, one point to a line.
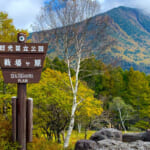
22 63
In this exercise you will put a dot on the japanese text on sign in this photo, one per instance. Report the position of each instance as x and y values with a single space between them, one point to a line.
22 48
23 63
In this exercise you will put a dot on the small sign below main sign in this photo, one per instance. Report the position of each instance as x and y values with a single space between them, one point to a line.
21 76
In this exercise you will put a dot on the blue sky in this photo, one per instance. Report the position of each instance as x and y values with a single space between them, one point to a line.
24 12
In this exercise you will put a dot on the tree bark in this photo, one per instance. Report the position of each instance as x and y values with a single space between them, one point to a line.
122 122
85 135
58 137
79 127
71 125
74 106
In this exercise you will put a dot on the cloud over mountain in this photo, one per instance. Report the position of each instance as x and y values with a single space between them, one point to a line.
109 4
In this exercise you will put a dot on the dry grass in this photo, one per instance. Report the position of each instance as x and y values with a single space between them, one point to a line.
43 144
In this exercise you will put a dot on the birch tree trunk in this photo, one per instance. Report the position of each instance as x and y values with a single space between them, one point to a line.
79 127
71 125
122 122
74 105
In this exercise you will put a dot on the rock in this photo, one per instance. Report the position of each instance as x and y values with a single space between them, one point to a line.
107 133
86 145
110 139
147 135
109 144
139 145
131 137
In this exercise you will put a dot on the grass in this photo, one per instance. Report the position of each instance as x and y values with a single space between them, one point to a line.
43 144
79 136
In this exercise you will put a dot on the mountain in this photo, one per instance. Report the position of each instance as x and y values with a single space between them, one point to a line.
128 26
133 38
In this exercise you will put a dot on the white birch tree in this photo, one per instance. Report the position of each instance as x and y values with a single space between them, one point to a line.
124 110
69 20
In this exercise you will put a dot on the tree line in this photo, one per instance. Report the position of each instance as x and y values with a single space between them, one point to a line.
124 94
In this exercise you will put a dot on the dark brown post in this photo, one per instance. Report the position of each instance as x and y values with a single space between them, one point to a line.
29 119
14 119
21 115
21 106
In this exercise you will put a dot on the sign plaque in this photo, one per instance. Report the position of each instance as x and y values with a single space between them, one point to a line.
22 62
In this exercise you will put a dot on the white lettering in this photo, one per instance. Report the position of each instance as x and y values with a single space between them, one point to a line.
10 48
41 48
37 62
25 48
18 49
21 76
33 48
7 62
12 76
2 47
18 62
22 80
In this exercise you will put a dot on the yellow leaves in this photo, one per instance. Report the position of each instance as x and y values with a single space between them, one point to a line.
90 108
55 86
8 32
1 76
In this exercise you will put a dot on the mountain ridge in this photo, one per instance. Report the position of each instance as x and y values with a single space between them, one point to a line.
131 29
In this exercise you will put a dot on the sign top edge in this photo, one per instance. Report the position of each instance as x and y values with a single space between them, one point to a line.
17 43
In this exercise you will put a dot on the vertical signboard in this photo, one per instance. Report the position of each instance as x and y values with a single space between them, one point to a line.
22 63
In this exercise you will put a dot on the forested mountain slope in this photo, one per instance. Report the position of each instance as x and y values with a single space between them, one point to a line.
129 27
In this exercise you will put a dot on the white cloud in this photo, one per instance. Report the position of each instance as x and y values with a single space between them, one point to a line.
142 4
101 1
109 4
23 12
